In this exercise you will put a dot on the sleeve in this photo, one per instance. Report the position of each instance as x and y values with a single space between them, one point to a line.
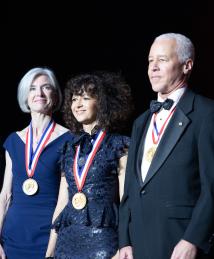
123 146
124 211
65 151
201 227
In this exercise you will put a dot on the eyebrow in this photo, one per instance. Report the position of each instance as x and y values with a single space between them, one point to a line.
159 56
42 85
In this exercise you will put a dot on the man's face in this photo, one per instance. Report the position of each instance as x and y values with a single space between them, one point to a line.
165 71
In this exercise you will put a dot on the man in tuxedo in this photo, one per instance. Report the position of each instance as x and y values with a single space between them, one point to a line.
167 210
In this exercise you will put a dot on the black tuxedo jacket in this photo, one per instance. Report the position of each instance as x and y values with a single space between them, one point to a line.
176 200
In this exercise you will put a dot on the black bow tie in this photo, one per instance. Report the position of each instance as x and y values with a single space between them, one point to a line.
85 142
155 106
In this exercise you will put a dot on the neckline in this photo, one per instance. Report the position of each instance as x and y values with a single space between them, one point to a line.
48 143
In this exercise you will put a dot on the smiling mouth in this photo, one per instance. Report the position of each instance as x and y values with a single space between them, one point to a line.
155 78
79 112
40 100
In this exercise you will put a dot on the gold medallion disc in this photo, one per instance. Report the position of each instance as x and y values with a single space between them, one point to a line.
30 186
79 200
150 153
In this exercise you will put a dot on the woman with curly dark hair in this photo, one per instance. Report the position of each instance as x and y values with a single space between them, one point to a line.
96 108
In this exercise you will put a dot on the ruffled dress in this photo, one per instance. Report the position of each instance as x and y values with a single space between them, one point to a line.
92 232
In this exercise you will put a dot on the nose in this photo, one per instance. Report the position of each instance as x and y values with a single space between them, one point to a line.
39 91
79 102
154 66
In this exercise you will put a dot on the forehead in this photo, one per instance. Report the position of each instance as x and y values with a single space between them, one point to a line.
163 47
41 79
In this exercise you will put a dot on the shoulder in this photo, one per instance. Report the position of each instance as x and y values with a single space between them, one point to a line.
59 129
204 102
192 101
118 140
61 132
11 140
203 108
117 145
22 134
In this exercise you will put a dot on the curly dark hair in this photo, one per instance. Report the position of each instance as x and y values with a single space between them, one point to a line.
114 99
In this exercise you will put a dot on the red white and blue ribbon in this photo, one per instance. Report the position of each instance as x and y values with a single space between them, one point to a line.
155 133
80 176
32 157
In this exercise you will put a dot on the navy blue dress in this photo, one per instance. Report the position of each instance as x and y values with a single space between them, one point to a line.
27 223
91 233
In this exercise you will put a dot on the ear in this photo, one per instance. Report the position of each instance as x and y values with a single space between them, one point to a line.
187 68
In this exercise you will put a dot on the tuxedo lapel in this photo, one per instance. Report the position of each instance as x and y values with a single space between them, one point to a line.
140 147
172 134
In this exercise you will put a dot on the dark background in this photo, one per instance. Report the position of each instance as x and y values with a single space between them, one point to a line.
81 36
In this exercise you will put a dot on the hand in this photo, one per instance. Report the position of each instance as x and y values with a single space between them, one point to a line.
126 253
2 254
184 250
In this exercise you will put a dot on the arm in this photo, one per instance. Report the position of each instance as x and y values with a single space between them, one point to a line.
124 212
125 252
121 174
201 226
5 195
61 203
121 177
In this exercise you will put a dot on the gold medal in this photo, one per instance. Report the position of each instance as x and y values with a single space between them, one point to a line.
30 186
79 200
150 153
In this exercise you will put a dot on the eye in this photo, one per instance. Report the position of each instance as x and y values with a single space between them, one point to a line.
162 59
86 98
47 87
32 88
73 99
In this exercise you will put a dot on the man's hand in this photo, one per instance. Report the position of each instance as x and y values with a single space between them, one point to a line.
126 253
184 250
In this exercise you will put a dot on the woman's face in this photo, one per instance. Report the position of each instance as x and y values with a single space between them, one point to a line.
41 97
84 108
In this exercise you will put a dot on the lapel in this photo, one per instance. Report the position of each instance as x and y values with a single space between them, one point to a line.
139 143
178 123
140 148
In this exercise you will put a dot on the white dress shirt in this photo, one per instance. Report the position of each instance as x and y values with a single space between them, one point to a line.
161 117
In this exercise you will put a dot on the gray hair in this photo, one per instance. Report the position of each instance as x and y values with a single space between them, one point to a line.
26 82
185 48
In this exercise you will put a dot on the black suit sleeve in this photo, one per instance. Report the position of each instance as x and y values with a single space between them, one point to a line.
201 226
124 211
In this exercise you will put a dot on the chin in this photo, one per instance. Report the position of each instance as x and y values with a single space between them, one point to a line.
156 89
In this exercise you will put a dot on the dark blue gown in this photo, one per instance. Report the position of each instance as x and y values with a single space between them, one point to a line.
91 233
27 223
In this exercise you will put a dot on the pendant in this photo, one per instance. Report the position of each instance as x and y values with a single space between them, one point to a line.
79 200
150 153
30 186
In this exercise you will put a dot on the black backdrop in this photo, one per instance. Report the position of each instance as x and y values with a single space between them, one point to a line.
81 36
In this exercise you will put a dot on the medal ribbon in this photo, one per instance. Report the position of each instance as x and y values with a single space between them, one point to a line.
155 129
80 178
31 158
